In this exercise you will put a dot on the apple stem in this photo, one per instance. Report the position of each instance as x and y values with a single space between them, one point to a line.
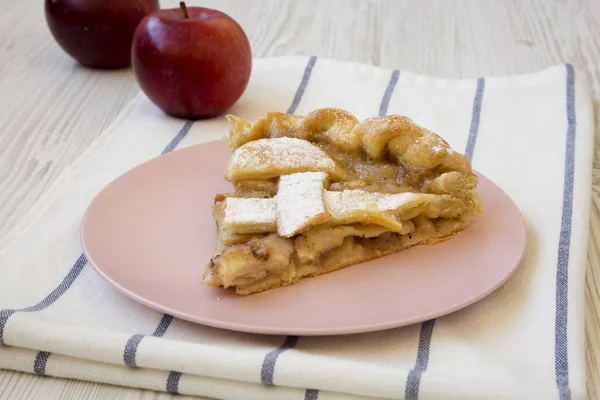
184 9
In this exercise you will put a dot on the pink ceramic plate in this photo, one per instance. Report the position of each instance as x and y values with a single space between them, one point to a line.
151 232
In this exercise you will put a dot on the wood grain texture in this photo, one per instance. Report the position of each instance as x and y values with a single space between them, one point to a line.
17 386
51 109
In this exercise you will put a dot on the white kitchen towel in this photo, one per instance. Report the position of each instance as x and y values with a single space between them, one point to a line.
532 134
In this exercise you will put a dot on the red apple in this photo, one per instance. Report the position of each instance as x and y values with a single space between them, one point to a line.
191 62
97 33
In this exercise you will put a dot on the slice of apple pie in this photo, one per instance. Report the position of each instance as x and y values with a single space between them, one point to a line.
316 193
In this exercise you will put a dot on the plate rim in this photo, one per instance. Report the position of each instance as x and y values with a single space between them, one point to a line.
272 330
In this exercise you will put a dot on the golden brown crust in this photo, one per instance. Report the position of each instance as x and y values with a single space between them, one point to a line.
390 147
377 136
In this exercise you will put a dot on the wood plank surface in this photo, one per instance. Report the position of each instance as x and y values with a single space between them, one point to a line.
51 109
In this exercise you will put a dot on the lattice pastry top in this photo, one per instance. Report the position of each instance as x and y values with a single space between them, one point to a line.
386 149
303 202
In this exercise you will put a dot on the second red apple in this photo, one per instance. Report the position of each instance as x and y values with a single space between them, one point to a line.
191 62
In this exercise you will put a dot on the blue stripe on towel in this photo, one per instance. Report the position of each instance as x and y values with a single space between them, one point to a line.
303 84
39 365
129 354
131 349
173 382
413 381
178 138
387 95
163 325
476 114
48 300
561 362
268 366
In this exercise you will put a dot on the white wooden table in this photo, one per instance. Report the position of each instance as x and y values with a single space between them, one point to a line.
51 109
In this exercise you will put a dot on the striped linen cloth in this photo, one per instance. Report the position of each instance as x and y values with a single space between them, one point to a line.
532 134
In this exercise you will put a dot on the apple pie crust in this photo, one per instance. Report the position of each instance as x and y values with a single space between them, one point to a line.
316 193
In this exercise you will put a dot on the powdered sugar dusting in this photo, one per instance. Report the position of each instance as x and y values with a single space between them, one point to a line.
340 203
302 202
299 202
258 215
392 202
280 156
348 201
